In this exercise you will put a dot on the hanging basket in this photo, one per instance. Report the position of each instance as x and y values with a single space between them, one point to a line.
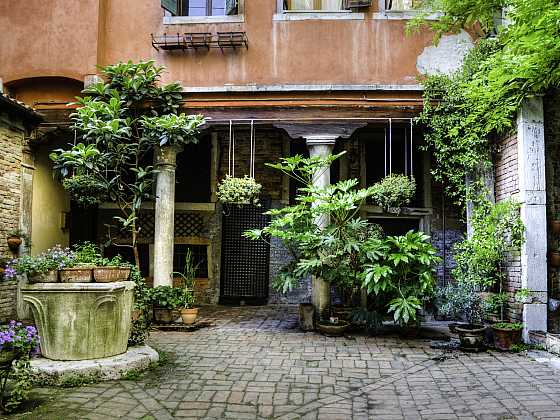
239 191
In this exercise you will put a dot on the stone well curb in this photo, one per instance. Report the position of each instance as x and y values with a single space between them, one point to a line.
54 372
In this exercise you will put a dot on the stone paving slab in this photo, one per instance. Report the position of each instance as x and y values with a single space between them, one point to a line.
256 364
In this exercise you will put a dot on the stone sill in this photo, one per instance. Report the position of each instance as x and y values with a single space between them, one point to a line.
186 20
311 15
401 15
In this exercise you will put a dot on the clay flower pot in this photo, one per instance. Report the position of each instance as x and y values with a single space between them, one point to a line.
333 329
505 338
189 316
75 275
110 274
48 277
555 227
14 242
554 259
163 315
471 337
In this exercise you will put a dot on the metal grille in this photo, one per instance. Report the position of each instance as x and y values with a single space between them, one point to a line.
245 263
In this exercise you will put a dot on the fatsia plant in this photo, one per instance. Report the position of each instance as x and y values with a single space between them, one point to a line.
402 267
119 123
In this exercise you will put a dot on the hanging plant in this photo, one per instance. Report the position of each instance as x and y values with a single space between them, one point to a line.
393 192
239 191
85 190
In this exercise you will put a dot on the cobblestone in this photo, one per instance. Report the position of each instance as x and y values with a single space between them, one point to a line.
256 364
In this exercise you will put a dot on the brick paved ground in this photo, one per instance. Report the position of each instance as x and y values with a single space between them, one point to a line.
256 364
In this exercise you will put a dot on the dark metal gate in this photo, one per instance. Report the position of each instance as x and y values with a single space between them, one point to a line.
245 263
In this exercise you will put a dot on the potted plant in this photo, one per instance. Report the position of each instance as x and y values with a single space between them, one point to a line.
333 326
554 258
15 238
507 334
42 268
111 270
16 341
524 296
239 191
453 302
81 268
394 192
555 225
165 300
472 333
188 312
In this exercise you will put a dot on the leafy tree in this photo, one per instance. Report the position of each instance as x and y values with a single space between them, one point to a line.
120 122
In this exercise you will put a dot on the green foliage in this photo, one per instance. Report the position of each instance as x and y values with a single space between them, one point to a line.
85 190
496 230
460 301
140 327
119 123
166 297
402 267
495 303
21 383
187 278
393 191
86 253
371 319
232 190
523 294
508 326
463 111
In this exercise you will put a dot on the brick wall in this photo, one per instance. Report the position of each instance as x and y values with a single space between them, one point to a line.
11 145
506 180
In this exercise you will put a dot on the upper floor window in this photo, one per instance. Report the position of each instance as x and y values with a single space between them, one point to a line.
314 5
399 5
200 7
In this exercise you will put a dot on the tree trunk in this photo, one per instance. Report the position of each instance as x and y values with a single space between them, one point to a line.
135 246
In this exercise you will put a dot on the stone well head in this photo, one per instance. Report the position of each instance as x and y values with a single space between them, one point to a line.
79 321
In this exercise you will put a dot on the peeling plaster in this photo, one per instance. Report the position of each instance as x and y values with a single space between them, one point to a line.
446 57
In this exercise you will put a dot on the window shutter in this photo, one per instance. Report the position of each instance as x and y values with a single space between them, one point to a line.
231 7
170 6
353 4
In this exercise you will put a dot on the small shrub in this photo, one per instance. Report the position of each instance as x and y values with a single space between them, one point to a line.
509 326
394 191
239 190
85 190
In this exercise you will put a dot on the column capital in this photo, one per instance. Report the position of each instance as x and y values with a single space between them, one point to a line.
321 139
167 155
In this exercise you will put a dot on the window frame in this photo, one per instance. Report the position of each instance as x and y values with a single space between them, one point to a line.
185 20
184 5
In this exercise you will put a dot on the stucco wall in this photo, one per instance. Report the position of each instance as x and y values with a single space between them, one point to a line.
49 201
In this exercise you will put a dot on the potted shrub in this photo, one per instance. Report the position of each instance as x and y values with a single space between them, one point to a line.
507 334
188 312
239 191
394 192
81 268
454 302
111 270
165 300
472 334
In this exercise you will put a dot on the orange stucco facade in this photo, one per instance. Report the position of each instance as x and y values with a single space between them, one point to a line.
68 39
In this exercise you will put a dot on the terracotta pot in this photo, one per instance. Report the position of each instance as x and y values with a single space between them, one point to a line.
75 275
333 330
554 259
189 315
163 315
555 227
110 274
471 337
48 277
14 242
306 316
504 338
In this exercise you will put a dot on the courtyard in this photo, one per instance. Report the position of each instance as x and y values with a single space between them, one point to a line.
254 362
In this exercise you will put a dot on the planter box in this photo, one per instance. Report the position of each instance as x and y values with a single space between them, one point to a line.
76 275
110 274
81 321
48 277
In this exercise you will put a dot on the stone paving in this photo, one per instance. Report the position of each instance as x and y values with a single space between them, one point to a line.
255 363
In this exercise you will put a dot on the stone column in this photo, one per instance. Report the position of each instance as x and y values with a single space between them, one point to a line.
532 196
321 146
164 229
91 79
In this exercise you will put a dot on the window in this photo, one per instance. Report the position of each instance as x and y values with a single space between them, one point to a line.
399 5
314 5
200 7
199 256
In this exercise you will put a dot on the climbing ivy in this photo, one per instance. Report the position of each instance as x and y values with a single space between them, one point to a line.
463 111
